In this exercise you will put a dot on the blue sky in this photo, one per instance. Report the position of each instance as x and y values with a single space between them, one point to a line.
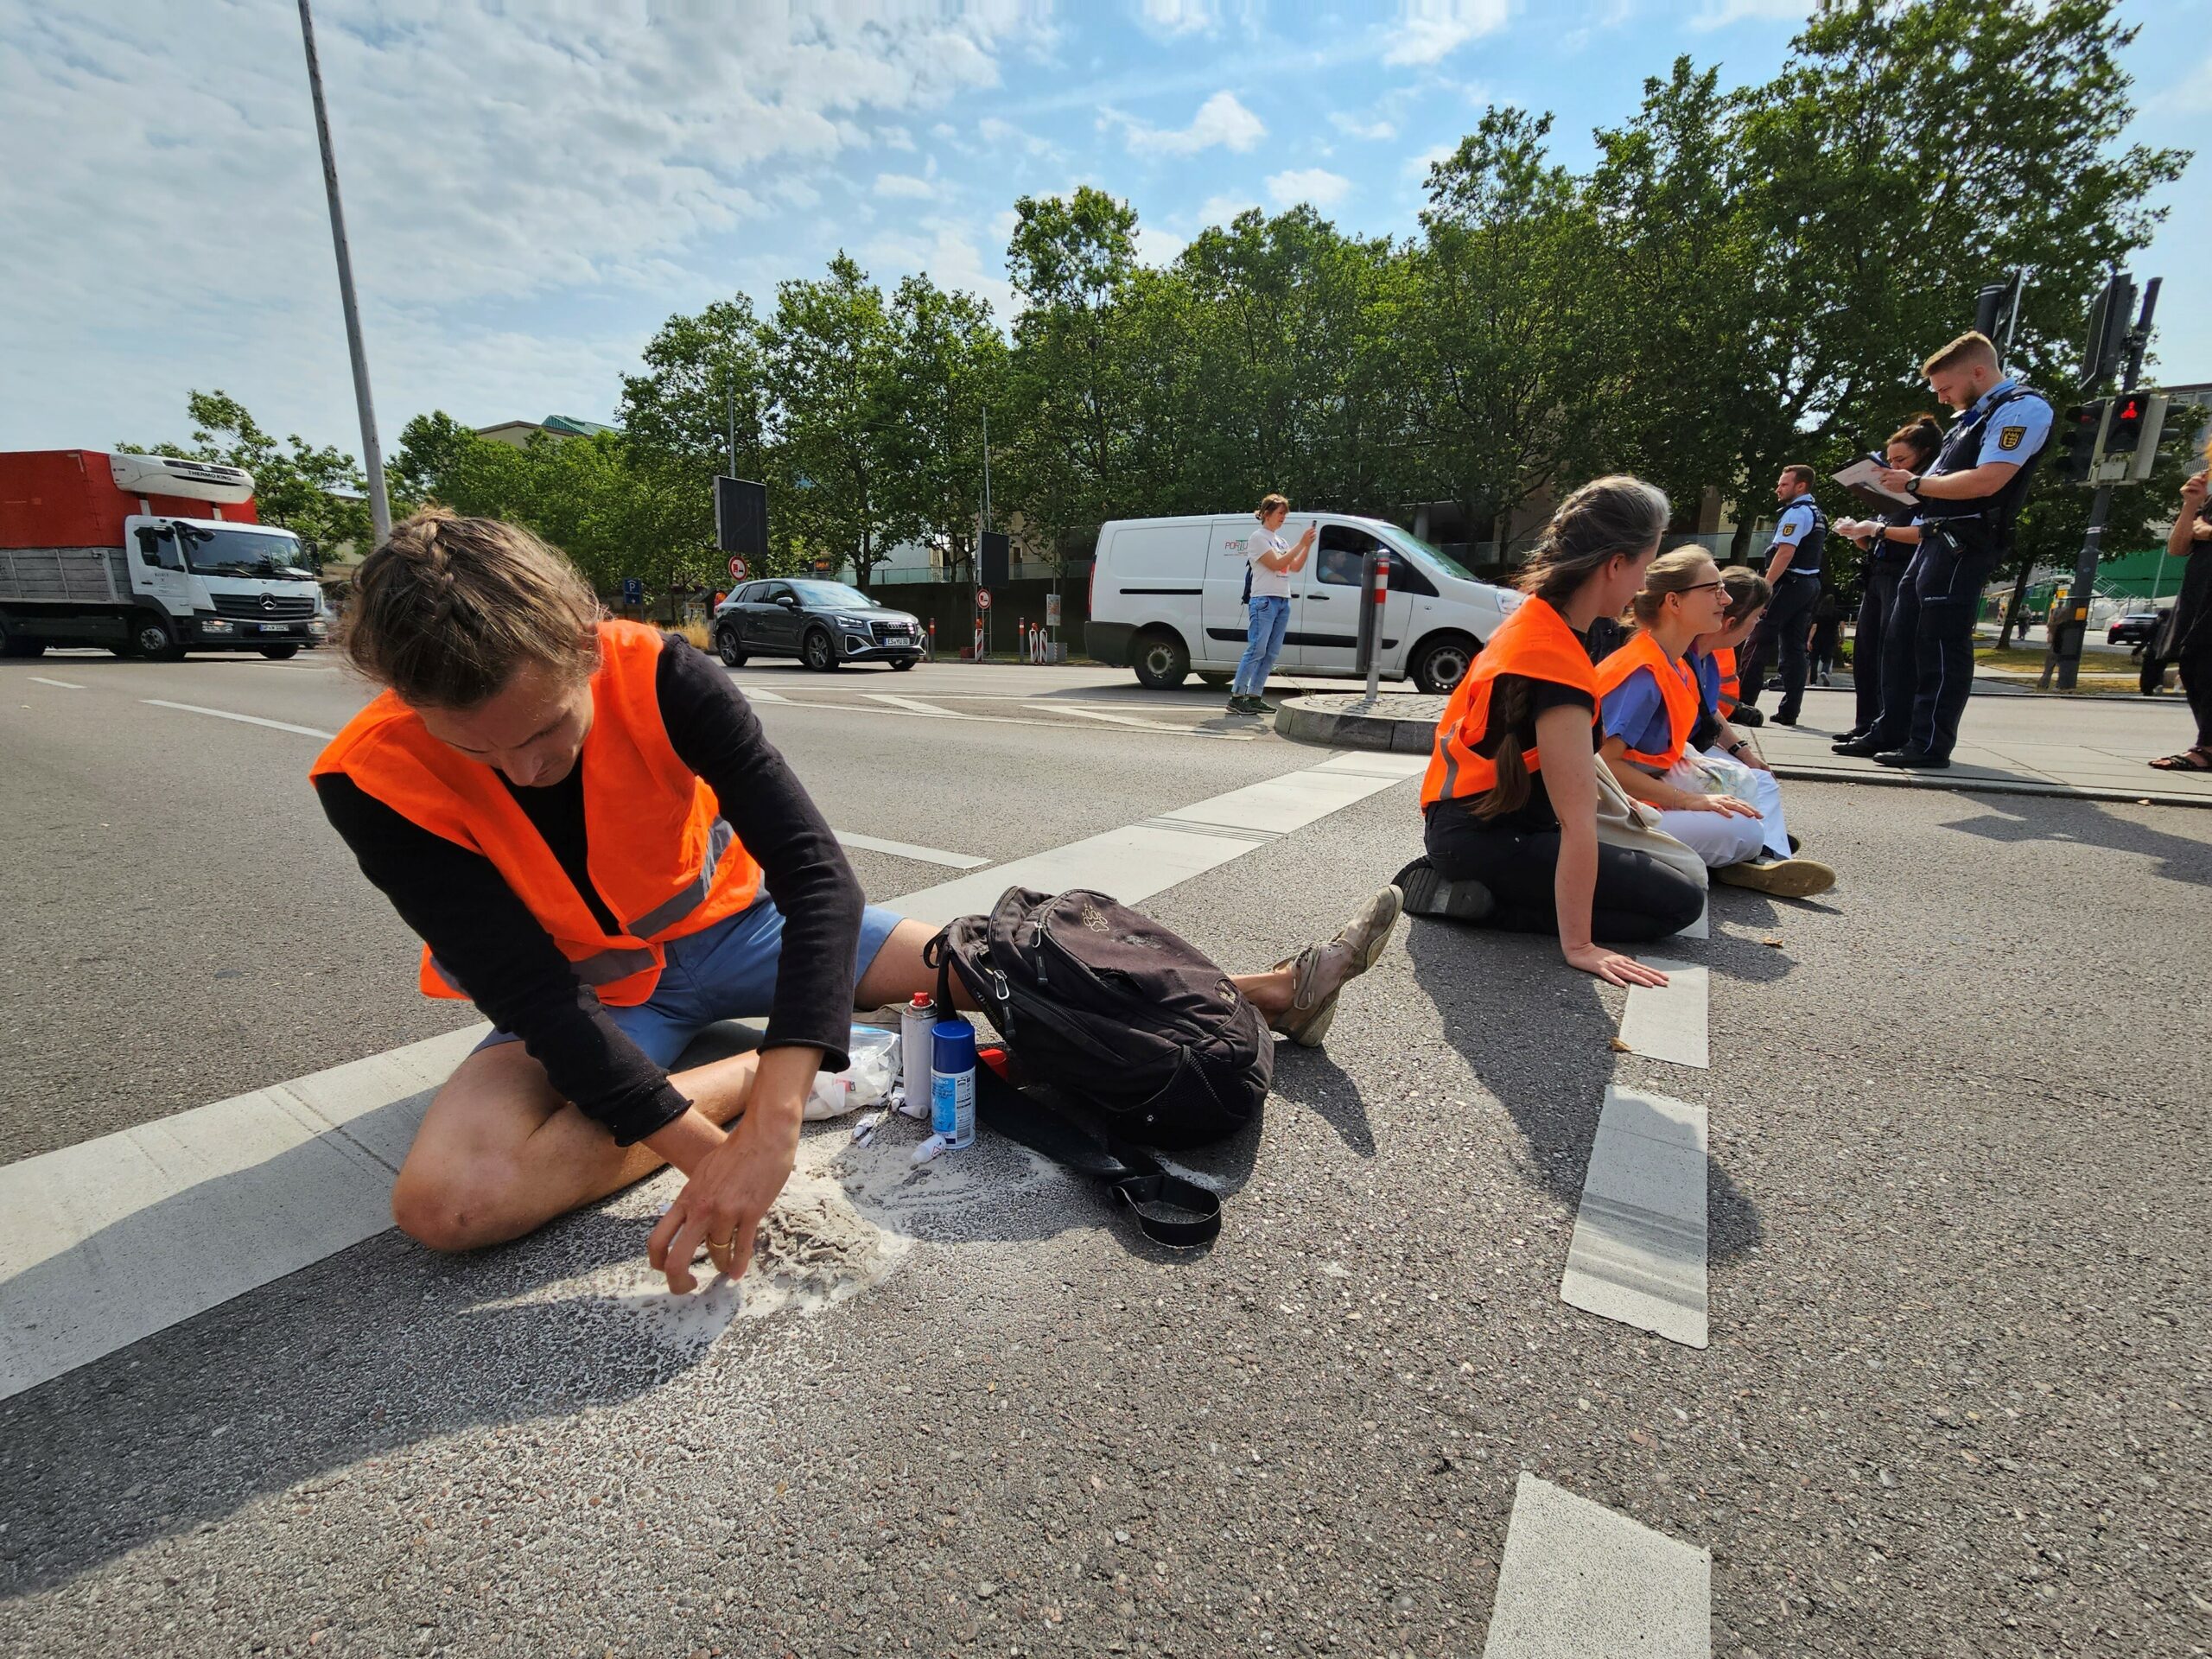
532 188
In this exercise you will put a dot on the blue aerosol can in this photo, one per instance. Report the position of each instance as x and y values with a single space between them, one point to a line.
952 1082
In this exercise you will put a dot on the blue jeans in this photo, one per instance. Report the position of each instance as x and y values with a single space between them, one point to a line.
1267 618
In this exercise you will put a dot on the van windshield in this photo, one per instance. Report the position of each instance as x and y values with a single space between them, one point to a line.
239 552
1428 554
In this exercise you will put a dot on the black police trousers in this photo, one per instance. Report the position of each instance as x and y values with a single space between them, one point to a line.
1783 632
1927 653
1876 602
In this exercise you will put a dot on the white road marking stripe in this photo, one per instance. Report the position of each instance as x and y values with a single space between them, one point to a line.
907 849
761 694
1139 860
67 685
1639 1251
1579 1581
1702 927
1100 714
109 1241
1668 1022
914 705
880 710
248 720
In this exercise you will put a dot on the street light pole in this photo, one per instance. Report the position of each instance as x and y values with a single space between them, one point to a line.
372 456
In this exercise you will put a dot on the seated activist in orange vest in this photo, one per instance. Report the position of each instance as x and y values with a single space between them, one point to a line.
1711 656
1648 707
1510 799
585 825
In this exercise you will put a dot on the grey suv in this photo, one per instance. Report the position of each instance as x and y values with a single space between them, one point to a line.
824 624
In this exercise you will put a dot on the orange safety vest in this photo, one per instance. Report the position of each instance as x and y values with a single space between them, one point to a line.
1534 642
1677 684
663 858
1732 685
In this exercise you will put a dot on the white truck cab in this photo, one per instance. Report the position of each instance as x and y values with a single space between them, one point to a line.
1168 599
149 555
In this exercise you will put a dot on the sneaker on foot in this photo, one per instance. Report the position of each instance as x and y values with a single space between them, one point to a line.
1785 878
1240 706
1321 970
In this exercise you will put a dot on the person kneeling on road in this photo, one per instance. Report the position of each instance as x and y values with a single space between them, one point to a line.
1509 804
598 846
1649 704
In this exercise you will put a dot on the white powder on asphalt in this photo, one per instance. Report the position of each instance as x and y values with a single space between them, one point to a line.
845 1220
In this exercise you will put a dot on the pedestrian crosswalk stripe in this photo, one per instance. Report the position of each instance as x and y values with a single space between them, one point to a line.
907 849
913 705
1638 1252
1580 1581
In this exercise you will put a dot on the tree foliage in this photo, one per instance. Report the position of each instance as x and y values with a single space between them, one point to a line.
317 495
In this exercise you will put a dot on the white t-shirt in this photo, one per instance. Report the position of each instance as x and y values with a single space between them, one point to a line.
1266 583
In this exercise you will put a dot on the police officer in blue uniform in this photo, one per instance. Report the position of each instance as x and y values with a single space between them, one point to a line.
1968 499
1794 560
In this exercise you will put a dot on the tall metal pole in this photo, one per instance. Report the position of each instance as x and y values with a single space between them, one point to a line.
2079 597
372 454
732 394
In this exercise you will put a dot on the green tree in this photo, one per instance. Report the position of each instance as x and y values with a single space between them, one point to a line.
948 367
319 494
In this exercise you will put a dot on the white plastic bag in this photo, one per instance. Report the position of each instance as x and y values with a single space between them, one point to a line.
866 1081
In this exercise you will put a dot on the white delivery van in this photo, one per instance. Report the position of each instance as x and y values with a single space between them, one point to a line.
1168 598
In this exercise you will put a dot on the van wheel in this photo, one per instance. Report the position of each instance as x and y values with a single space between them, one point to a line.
280 653
820 652
1217 681
1440 662
725 648
152 637
1162 662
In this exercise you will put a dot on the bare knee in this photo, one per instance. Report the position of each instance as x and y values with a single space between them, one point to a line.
449 1212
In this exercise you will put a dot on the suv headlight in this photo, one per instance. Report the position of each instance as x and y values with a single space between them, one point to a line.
858 623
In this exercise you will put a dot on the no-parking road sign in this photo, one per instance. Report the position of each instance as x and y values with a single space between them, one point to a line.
983 599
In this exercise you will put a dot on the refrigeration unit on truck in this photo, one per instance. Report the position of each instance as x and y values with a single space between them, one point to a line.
147 555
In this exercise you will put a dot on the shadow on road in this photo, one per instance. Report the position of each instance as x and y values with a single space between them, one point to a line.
2087 824
1538 1037
1308 1078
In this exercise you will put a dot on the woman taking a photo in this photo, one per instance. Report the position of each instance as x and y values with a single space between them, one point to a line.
1510 798
1648 703
1888 539
2185 636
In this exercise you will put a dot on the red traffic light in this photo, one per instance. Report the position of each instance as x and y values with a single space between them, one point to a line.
2130 409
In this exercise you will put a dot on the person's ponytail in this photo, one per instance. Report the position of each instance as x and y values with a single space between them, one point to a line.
1508 706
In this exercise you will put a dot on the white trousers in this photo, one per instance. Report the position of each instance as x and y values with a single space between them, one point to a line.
1729 839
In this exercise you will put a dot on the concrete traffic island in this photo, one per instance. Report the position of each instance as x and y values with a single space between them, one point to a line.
1401 721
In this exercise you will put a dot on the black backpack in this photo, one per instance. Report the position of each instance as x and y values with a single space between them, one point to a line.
1116 1013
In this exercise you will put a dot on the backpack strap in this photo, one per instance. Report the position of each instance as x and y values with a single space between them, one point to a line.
1169 1209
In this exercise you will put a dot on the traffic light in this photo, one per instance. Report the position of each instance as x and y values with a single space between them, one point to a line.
2138 419
2081 439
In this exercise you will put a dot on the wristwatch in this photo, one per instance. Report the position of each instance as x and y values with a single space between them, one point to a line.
1739 745
1912 484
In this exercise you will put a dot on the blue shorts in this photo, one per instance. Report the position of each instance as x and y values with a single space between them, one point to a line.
724 972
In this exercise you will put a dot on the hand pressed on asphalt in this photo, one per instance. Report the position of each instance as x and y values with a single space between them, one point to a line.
1612 967
731 1188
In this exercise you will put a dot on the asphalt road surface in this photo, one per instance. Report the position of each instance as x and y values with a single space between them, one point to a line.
1955 1400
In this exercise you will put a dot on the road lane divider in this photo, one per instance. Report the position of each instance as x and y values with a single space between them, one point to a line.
112 1239
243 720
1669 1022
914 705
761 694
907 849
1581 1581
1111 718
1139 860
109 1241
1639 1253
67 685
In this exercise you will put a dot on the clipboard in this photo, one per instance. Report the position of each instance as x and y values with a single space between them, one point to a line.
1863 478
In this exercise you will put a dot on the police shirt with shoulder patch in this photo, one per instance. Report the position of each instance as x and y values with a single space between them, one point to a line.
1791 528
2016 431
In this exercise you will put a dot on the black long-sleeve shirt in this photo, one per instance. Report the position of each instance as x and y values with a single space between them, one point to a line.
486 938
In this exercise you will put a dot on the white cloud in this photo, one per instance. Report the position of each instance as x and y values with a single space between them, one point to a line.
1156 246
894 138
1428 31
1220 120
1377 129
1171 18
904 185
1719 14
947 253
509 172
1315 184
1417 166
1003 137
1219 210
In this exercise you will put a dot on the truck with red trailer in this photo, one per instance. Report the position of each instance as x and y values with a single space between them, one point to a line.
149 555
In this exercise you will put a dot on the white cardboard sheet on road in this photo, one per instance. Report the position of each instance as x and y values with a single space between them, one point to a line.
108 1242
111 1240
1579 1581
1639 1253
